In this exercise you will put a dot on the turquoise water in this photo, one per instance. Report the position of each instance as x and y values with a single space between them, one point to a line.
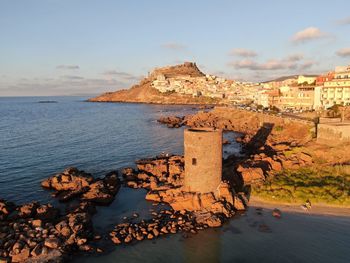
40 139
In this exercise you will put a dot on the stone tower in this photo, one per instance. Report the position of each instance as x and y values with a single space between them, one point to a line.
203 160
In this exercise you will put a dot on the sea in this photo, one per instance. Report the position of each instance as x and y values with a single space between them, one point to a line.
41 136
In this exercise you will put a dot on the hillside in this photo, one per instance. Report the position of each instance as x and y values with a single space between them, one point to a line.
145 93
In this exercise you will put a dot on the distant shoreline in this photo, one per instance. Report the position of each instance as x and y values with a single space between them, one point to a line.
316 209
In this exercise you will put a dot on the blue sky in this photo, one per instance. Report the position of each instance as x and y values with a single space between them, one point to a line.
69 47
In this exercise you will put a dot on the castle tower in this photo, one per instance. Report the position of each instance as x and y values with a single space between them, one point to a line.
203 160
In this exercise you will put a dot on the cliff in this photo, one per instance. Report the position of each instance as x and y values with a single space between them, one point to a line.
145 93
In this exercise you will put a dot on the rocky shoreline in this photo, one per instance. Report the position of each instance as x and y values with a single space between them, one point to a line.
37 232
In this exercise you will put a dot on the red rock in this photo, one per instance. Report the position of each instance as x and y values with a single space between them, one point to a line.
37 223
28 210
47 212
238 203
36 251
22 256
153 196
52 242
251 175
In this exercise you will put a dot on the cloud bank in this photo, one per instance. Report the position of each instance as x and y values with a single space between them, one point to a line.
291 62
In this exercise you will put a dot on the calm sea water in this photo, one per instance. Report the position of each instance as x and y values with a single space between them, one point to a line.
40 139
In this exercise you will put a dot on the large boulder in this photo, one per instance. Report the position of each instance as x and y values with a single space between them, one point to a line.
157 167
71 179
251 175
72 183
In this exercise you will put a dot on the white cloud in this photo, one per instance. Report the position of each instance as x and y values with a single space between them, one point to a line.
272 64
310 33
70 67
344 52
173 46
291 62
242 52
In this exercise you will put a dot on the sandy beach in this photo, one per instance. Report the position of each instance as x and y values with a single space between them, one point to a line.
316 209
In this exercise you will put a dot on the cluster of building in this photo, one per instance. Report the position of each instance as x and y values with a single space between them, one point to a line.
304 92
310 92
208 86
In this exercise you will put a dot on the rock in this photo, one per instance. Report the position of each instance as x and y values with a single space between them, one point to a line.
116 240
139 237
172 121
207 200
208 218
70 179
28 210
155 232
153 196
36 251
98 193
85 247
238 203
128 239
22 256
251 175
65 196
164 230
52 242
81 241
156 167
37 223
63 229
47 212
132 184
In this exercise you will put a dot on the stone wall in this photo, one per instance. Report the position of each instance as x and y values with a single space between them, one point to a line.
203 160
333 132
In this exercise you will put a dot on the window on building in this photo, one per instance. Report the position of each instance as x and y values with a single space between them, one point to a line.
194 161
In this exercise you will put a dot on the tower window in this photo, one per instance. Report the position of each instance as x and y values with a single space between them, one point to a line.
194 161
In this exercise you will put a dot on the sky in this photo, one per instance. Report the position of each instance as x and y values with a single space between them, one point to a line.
86 47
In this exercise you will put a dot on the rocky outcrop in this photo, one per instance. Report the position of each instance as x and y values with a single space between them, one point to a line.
172 121
73 183
268 142
143 92
162 223
39 233
163 177
162 172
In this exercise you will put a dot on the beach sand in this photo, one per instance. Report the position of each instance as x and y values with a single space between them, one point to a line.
316 209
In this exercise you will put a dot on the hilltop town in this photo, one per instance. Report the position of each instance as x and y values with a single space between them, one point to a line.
186 84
